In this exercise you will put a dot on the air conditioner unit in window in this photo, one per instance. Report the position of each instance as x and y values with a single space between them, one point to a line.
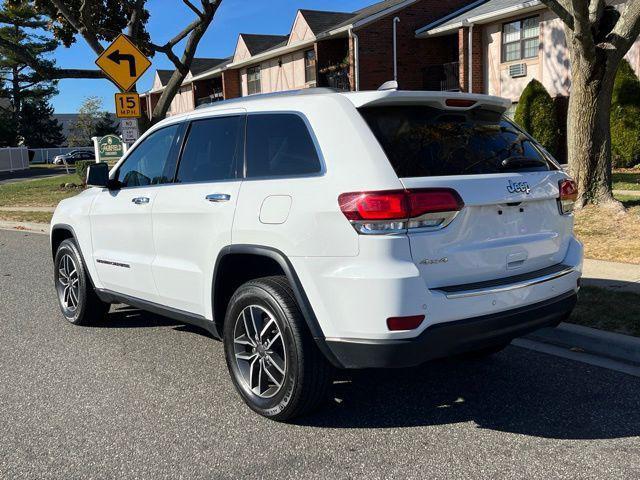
518 70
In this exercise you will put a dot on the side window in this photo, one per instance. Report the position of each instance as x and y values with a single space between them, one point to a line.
213 149
279 144
149 163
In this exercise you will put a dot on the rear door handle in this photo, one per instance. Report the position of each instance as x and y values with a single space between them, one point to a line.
218 197
140 200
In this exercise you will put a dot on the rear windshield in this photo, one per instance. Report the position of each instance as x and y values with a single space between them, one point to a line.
422 141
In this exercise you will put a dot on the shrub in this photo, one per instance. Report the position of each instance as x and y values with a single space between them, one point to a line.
81 169
625 117
536 114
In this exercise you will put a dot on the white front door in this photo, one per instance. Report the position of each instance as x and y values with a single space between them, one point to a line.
193 218
121 222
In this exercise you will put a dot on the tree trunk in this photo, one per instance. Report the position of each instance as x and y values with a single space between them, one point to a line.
589 130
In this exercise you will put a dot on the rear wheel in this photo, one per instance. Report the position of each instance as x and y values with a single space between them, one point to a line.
78 300
274 363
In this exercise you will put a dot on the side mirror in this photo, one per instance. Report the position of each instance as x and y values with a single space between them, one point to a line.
98 175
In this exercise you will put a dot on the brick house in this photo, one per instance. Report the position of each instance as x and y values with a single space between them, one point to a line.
510 42
344 50
513 42
202 85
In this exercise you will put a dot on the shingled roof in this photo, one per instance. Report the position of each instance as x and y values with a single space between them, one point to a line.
260 43
201 65
164 76
320 21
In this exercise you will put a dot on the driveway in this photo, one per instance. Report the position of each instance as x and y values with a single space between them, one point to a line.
142 396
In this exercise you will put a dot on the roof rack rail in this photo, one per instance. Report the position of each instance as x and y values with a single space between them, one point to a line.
261 96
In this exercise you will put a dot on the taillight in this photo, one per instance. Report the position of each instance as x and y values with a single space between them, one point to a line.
568 196
395 211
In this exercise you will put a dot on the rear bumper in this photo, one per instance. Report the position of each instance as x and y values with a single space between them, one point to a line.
452 338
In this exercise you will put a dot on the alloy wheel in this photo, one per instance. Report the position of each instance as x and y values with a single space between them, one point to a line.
260 351
68 283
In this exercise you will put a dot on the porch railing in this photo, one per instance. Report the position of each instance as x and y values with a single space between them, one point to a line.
338 79
216 96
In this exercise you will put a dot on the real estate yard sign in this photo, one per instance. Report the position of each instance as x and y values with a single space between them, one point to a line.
110 148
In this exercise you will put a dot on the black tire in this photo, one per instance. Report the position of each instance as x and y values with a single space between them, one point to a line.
307 374
485 352
88 308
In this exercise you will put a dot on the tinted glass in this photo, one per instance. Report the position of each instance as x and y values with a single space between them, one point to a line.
423 141
280 145
212 151
148 164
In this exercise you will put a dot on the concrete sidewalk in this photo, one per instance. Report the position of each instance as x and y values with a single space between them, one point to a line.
28 209
622 277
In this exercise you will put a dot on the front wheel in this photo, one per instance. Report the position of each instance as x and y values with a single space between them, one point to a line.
78 301
274 363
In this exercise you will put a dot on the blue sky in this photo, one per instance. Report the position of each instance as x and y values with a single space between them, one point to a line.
168 17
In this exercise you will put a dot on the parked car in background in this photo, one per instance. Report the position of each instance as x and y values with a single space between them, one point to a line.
315 229
73 156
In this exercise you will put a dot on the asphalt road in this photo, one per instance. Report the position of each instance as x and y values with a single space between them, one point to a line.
144 397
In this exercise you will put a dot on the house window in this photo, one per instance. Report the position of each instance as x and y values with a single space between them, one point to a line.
520 39
310 66
253 80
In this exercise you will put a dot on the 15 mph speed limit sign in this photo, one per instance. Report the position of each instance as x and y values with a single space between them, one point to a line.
128 105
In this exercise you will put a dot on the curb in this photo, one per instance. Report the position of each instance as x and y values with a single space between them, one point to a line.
41 228
615 346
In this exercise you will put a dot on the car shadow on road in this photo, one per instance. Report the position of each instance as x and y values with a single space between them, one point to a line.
517 391
123 316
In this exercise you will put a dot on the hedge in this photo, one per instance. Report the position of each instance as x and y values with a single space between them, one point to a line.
81 169
536 113
625 117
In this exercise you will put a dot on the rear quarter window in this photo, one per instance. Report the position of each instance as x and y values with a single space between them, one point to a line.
280 145
422 141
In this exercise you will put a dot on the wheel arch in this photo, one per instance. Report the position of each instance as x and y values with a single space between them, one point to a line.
264 261
61 232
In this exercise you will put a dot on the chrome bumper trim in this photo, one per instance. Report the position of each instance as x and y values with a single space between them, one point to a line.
509 287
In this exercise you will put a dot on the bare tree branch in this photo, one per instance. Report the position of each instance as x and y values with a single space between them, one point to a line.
133 27
180 36
197 29
627 29
45 71
89 37
582 26
193 8
563 9
596 9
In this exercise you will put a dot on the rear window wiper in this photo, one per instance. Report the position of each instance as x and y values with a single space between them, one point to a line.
524 164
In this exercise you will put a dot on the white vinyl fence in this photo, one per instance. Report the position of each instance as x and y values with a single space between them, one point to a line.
46 155
14 158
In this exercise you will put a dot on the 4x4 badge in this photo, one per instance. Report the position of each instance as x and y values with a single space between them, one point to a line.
518 187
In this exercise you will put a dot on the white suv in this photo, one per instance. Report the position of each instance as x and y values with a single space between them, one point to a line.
316 229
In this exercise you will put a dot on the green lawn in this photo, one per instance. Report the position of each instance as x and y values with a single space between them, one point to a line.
44 192
626 179
608 310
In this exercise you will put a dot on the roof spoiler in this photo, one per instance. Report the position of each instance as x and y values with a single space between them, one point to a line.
444 100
